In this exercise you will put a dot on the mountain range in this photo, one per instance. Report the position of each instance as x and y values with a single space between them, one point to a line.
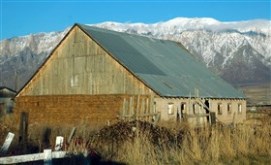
239 52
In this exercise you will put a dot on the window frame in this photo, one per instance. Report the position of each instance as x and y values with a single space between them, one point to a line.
219 109
229 108
194 108
240 108
170 108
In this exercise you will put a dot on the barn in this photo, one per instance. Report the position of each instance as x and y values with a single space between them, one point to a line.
6 100
98 76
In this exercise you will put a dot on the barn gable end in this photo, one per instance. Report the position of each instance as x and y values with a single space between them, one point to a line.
80 66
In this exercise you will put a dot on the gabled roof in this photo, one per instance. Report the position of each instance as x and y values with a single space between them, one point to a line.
7 92
164 66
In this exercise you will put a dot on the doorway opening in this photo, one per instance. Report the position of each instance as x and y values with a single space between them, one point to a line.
181 112
206 108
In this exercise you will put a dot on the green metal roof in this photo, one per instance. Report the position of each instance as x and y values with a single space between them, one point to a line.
165 66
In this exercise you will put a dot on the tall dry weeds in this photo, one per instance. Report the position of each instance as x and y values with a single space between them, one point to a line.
172 144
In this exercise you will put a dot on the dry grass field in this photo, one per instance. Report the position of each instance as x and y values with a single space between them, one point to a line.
166 143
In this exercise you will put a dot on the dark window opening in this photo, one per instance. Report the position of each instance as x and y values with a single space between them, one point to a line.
229 109
219 109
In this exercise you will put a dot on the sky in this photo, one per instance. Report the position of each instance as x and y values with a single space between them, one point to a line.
23 17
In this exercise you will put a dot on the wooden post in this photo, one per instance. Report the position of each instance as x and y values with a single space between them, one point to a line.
147 106
131 107
137 106
142 108
189 104
210 121
46 137
71 135
23 131
59 143
124 110
7 143
212 114
47 156
152 108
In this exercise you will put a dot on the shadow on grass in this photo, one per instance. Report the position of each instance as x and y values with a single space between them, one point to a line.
76 160
82 160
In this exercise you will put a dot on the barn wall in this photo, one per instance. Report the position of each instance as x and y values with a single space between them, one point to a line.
96 110
233 115
80 66
188 114
192 109
6 105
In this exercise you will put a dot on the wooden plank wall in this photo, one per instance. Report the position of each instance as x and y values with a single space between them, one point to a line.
96 110
139 108
80 66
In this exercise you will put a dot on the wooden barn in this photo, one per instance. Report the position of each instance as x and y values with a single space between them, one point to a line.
99 76
7 96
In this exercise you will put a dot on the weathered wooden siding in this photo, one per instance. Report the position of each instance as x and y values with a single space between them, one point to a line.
95 110
80 66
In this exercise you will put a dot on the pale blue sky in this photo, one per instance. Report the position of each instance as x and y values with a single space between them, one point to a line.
22 17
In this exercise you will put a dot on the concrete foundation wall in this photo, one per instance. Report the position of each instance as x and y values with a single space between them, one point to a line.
193 111
229 115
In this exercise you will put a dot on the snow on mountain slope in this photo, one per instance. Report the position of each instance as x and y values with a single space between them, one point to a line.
180 24
257 33
227 48
38 43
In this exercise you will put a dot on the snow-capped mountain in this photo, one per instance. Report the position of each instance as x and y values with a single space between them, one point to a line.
21 56
238 51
